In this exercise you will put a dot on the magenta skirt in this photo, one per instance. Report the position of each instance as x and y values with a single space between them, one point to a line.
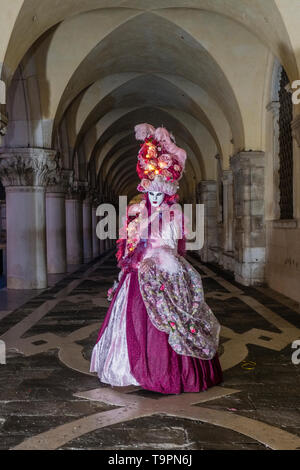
153 363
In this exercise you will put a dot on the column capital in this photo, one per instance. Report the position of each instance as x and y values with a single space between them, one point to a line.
77 189
96 197
84 190
296 129
247 159
67 178
227 177
207 185
88 197
60 181
27 166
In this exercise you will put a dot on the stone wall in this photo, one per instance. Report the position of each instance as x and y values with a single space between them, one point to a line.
283 258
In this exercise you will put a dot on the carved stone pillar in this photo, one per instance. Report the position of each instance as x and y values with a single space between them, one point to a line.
87 228
227 255
103 243
2 221
74 225
207 191
228 210
3 235
95 239
24 172
56 230
249 223
56 222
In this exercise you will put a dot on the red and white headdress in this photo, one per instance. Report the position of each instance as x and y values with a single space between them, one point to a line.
160 162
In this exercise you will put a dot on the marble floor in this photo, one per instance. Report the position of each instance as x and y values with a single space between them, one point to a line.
50 400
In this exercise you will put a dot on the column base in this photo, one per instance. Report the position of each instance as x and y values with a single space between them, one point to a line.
21 284
250 274
227 260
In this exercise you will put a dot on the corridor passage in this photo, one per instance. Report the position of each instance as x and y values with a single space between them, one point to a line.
49 400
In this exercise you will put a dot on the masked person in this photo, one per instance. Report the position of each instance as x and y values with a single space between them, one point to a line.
158 332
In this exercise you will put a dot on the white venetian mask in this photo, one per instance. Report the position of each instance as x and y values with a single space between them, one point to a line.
156 198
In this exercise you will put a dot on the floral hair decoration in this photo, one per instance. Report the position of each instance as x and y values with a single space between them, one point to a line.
160 162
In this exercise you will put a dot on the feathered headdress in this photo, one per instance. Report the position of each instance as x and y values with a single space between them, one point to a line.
160 162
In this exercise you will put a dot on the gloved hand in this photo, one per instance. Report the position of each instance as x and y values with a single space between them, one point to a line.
111 291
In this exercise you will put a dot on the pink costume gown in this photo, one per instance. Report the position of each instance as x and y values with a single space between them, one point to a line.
158 332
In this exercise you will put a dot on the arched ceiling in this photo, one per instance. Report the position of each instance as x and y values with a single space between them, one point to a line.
24 21
97 68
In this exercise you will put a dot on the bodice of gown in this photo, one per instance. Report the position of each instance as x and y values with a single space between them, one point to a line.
162 246
163 241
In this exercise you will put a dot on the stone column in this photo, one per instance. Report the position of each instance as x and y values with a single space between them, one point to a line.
208 196
102 243
2 221
227 256
74 222
24 173
228 210
87 229
102 246
249 224
96 241
56 229
3 235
